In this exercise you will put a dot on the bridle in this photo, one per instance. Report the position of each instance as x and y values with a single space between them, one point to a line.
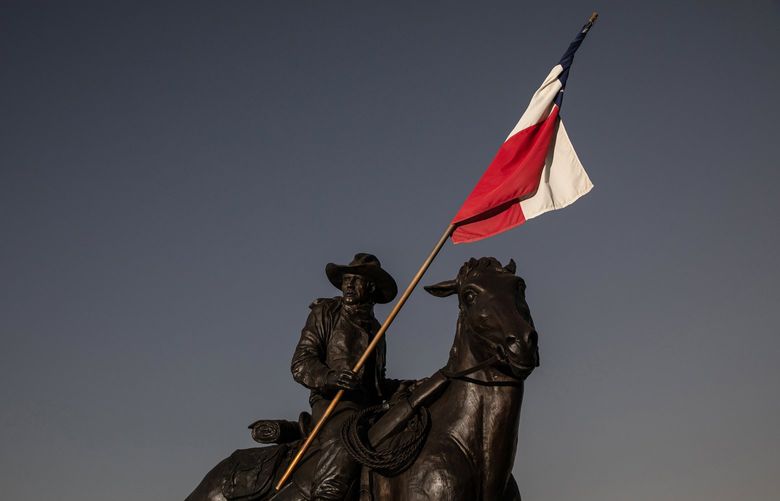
499 356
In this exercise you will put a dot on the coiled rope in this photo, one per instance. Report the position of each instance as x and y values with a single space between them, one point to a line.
393 456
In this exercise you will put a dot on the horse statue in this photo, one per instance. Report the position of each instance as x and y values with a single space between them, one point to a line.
470 412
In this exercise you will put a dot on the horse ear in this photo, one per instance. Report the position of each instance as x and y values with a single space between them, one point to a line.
443 289
511 267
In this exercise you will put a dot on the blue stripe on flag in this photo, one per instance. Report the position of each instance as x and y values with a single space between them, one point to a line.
568 58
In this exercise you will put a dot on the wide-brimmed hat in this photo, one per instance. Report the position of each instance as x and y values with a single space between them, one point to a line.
366 265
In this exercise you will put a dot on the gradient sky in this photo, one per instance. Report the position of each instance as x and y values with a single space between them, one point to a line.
175 177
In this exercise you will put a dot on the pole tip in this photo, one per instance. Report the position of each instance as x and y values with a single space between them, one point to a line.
593 17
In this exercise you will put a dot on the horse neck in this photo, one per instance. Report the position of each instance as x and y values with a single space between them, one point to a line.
493 413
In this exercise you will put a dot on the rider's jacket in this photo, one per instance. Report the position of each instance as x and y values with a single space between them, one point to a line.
334 338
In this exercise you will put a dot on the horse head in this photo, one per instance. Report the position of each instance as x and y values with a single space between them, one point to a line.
494 316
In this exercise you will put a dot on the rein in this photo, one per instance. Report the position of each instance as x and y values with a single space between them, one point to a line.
463 375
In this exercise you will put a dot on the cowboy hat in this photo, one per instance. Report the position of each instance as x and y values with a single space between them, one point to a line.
366 265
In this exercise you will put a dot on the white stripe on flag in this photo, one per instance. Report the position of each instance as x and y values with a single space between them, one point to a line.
541 102
564 180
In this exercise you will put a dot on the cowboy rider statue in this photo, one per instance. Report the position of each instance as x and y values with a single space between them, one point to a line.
336 334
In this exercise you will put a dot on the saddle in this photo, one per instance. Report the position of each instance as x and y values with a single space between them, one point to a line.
385 439
251 473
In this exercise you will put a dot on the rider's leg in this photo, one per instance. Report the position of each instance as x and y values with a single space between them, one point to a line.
289 493
336 471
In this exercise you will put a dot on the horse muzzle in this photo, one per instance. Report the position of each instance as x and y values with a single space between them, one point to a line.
521 353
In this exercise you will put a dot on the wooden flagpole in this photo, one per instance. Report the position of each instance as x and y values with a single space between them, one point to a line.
377 337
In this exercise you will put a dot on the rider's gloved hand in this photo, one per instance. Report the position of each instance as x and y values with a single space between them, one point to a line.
343 379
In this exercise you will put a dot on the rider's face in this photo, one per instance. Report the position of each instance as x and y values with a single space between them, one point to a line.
356 289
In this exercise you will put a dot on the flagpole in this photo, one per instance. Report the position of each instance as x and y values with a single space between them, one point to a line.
377 337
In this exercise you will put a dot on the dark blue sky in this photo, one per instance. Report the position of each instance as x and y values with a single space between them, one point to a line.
175 177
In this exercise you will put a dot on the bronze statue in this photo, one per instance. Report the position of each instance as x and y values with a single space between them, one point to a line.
336 334
452 436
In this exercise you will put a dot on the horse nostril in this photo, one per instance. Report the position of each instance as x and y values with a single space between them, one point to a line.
531 338
510 339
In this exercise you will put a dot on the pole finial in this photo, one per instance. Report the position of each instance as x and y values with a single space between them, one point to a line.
593 17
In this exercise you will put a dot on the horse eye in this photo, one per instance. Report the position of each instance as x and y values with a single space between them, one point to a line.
469 297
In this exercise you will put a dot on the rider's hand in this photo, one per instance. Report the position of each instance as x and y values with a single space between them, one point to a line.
343 379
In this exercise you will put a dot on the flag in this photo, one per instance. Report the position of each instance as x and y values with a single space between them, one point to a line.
536 170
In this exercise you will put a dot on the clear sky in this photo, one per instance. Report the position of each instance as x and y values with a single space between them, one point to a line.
175 177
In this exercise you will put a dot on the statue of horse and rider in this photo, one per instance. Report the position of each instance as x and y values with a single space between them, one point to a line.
451 436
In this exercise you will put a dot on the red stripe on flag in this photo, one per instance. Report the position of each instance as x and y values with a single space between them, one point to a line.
514 174
499 221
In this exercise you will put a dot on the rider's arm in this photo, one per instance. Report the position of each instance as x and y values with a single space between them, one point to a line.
308 363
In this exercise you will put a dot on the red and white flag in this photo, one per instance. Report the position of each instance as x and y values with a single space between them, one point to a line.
536 170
